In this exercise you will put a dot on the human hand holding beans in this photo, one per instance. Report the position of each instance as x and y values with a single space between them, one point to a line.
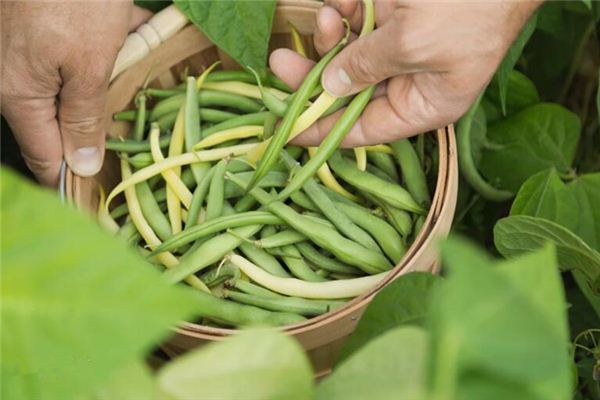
57 58
431 61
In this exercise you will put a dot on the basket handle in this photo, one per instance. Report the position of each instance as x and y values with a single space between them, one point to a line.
149 36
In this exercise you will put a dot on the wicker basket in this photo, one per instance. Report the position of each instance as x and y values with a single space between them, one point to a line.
321 336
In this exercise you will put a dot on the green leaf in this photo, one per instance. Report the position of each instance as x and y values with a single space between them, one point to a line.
241 28
541 136
588 3
545 195
592 298
402 302
511 58
391 365
586 190
130 383
256 364
505 324
520 234
76 303
520 93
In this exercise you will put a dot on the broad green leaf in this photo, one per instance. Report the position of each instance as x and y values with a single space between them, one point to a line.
76 303
403 302
511 58
540 137
241 28
586 190
520 93
520 234
506 321
545 195
393 365
256 364
588 3
130 383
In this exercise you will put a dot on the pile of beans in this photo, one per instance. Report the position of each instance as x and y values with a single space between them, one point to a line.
267 232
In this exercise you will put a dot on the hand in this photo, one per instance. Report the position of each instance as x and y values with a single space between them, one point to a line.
431 60
57 58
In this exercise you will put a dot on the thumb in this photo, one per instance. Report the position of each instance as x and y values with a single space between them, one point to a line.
81 118
364 62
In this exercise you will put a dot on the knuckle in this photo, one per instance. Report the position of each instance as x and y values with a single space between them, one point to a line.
81 127
362 68
38 165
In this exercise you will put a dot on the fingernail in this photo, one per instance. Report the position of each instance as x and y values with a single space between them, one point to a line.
86 161
337 82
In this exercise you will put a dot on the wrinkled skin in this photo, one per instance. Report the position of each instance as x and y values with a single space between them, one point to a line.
431 61
57 58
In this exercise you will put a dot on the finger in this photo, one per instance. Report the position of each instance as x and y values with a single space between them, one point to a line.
349 9
330 29
290 66
367 61
139 15
385 121
81 115
34 125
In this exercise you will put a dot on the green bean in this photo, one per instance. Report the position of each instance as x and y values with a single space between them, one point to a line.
139 160
328 208
414 176
214 202
323 262
156 219
269 126
192 128
247 77
267 231
384 162
285 237
394 194
257 118
286 304
272 102
245 203
166 122
337 105
330 143
344 249
318 218
297 266
294 109
216 116
400 219
140 117
237 314
333 195
163 93
263 259
218 275
206 98
251 288
127 230
272 179
127 115
303 201
219 224
132 146
380 173
419 222
209 252
467 165
386 236
198 199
